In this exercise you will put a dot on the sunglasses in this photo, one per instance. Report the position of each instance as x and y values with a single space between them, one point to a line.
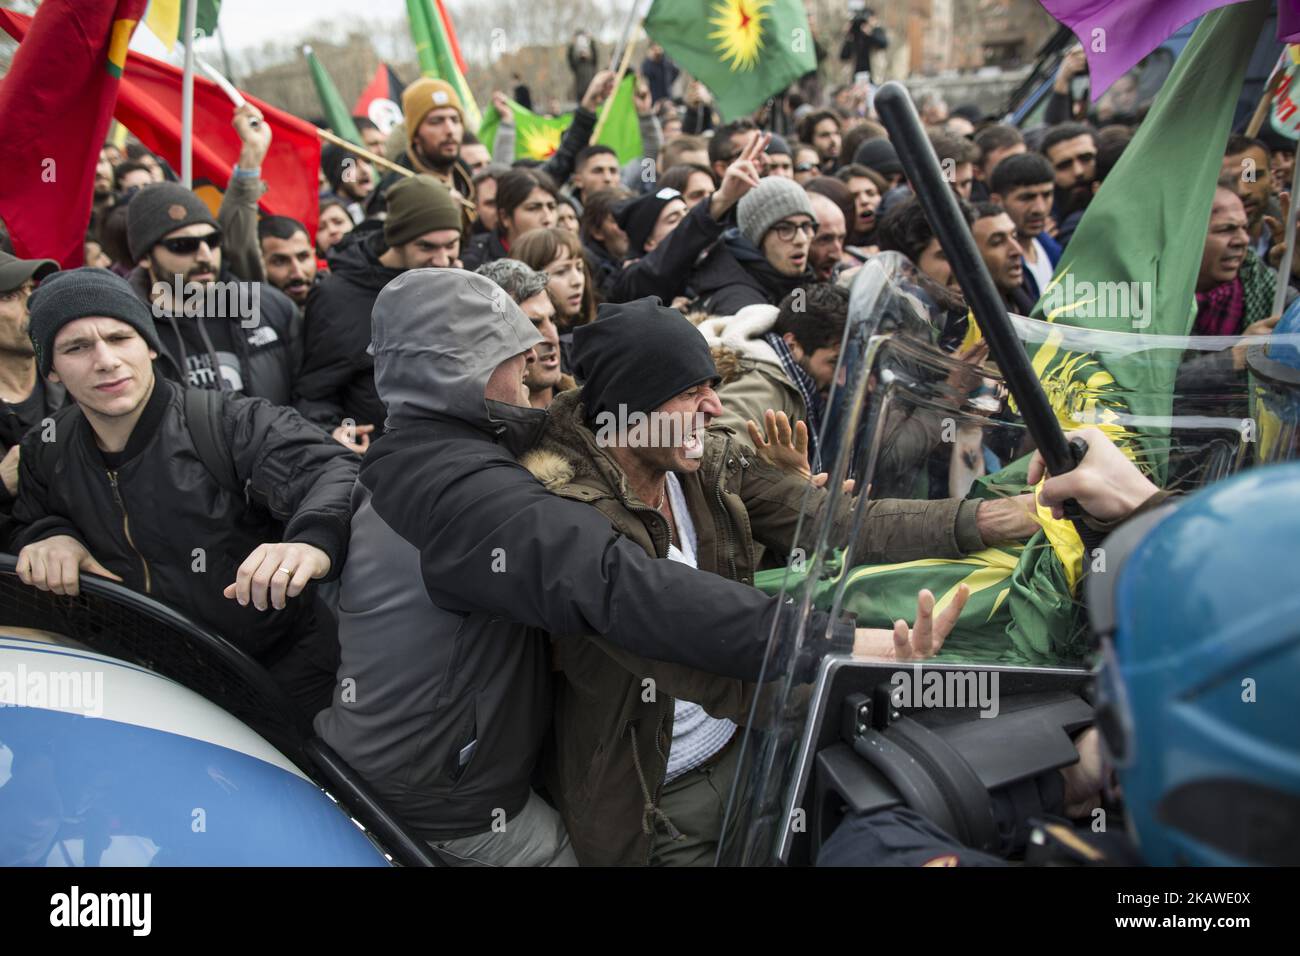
188 245
805 167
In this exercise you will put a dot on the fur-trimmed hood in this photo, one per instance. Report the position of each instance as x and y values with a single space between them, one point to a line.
567 450
743 332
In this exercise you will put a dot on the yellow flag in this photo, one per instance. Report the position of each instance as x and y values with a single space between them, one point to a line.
163 19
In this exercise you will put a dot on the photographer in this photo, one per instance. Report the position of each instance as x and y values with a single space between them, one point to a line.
864 36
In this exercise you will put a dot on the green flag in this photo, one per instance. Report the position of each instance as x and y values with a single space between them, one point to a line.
433 47
205 18
336 112
1132 264
1021 608
537 137
745 51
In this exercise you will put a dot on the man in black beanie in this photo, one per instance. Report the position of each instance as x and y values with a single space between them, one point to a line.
25 399
217 331
665 239
638 442
350 178
125 486
648 219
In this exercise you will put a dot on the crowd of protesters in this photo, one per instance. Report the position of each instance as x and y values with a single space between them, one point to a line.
411 419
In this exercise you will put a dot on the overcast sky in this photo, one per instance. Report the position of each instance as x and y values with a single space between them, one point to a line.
250 23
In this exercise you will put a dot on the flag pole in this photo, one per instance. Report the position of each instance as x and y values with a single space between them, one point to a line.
187 97
627 32
1288 253
618 78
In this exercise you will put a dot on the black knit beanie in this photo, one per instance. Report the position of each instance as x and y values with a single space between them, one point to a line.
76 294
158 209
637 217
638 355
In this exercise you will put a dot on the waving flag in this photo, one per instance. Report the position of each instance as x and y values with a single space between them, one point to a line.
1146 233
439 53
379 100
165 17
1117 34
336 113
537 137
745 51
55 106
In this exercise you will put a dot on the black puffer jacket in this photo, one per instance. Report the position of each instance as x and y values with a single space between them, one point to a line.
734 274
337 380
144 519
269 350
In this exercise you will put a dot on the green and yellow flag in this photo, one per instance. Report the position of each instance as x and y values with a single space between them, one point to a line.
537 137
1132 264
745 51
436 46
165 17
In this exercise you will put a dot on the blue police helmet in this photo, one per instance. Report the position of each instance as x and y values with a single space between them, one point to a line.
1274 363
1201 661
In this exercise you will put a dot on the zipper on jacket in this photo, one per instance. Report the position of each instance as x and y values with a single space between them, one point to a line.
724 520
126 527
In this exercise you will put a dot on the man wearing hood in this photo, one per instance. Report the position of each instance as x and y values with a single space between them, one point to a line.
461 561
763 259
217 332
337 383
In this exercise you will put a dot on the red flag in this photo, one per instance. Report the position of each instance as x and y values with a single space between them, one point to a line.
454 43
55 106
149 105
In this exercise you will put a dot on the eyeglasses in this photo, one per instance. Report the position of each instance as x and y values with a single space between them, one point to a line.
785 231
188 245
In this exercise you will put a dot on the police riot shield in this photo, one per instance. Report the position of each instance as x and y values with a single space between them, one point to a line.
927 487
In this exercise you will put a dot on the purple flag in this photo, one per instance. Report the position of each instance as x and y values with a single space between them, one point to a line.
1288 21
1117 34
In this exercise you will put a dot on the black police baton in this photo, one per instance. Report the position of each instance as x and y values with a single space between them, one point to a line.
939 202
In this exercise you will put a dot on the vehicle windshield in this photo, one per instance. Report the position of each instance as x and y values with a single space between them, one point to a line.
912 417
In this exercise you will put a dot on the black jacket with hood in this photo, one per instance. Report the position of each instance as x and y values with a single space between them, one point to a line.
144 517
461 561
269 347
735 273
337 379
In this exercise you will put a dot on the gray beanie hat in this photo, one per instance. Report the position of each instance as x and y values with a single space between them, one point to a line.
520 281
158 209
773 199
77 294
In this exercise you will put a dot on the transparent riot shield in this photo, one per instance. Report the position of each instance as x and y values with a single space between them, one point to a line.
918 418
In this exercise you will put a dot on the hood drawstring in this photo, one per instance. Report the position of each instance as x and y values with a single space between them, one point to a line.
650 813
180 344
212 355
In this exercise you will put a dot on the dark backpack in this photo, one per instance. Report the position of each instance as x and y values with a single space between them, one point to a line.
203 409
